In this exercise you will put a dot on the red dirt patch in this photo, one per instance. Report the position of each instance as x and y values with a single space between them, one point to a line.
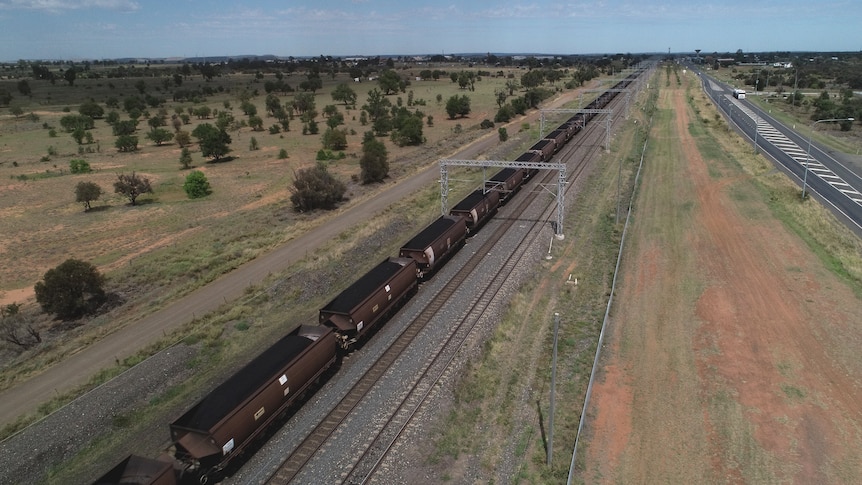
779 393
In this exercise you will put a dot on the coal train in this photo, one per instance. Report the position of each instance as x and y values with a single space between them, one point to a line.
217 429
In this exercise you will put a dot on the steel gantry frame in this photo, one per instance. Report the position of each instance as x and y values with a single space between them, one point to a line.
561 182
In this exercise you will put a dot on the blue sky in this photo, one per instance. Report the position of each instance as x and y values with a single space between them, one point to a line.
88 29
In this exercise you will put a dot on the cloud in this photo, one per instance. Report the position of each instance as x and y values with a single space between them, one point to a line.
62 5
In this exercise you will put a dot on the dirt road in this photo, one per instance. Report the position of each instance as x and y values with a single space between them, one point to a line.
733 352
77 369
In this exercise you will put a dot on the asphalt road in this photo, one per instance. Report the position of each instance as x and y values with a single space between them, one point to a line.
77 369
834 179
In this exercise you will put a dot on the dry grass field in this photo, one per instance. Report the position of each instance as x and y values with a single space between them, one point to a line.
731 352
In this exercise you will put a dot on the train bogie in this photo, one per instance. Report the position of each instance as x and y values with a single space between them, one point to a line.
477 208
434 244
137 470
368 301
218 427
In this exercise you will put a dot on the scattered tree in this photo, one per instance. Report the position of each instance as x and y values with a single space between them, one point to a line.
87 192
197 185
160 135
183 138
458 106
334 139
213 141
126 143
344 94
185 158
374 163
504 135
132 186
316 188
92 109
72 289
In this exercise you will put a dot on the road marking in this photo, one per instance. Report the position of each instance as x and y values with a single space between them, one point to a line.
794 151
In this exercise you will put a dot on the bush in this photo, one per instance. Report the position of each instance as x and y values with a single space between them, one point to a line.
486 124
197 185
72 289
316 188
504 135
79 166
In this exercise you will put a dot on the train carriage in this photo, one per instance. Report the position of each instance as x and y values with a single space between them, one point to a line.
545 148
560 137
436 243
529 157
357 309
477 208
218 427
506 182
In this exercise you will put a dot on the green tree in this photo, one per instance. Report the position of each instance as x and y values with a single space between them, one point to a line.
72 122
504 135
343 93
315 188
160 135
458 106
213 141
409 131
126 143
303 102
255 122
185 158
92 109
124 127
72 289
390 82
197 185
377 105
374 162
132 186
334 139
87 192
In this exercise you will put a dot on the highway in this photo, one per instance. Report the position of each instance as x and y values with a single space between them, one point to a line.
835 184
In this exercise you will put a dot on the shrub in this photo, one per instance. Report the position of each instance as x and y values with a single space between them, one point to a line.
316 188
79 166
197 185
72 289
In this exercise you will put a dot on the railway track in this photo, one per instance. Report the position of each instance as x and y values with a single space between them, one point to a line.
377 445
373 457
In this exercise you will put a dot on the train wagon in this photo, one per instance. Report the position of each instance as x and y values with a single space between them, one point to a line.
369 300
506 182
137 470
529 157
477 208
545 148
216 429
436 243
560 138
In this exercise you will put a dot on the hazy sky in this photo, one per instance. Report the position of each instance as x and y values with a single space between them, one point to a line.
75 29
